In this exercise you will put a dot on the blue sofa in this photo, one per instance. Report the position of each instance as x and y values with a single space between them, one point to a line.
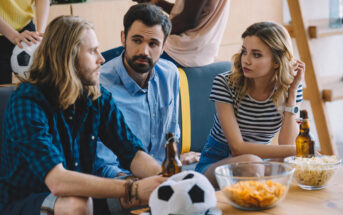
201 111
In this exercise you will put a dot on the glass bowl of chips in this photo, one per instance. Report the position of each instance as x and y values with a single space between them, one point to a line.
313 173
254 185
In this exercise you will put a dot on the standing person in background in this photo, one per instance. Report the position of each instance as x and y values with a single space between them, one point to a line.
50 131
16 25
255 101
197 30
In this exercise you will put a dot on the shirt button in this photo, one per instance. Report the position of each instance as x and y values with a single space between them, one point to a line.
153 136
153 115
70 118
92 137
76 164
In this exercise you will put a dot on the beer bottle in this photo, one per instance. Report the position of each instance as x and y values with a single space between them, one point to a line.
171 164
304 141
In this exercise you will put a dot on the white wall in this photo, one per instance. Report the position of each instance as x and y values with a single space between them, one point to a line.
327 56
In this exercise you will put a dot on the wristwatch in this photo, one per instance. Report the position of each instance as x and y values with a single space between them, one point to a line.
293 109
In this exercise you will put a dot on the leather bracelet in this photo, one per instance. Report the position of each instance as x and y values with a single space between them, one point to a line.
128 189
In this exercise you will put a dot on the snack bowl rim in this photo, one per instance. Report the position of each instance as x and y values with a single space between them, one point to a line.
286 174
291 158
290 170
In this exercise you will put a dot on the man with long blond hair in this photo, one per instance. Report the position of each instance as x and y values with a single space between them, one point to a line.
51 127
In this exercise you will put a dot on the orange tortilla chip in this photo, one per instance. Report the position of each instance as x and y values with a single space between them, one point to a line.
255 194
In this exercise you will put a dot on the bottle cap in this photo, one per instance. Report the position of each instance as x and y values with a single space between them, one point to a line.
169 136
303 114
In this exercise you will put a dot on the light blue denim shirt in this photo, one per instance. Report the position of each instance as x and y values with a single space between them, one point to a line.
150 113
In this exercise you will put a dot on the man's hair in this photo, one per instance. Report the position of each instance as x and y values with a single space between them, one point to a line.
56 59
150 15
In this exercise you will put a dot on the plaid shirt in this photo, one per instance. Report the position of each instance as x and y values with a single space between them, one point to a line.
37 136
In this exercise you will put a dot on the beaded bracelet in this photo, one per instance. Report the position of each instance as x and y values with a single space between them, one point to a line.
135 190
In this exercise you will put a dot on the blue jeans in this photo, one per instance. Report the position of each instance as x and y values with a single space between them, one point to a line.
212 152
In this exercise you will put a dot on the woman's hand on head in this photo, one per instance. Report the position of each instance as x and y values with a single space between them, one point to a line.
299 71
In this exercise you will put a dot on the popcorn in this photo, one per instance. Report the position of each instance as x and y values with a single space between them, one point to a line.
314 171
315 160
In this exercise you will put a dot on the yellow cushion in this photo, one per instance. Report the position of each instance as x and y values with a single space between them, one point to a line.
185 112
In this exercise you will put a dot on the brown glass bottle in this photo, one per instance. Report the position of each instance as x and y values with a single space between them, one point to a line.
304 141
171 164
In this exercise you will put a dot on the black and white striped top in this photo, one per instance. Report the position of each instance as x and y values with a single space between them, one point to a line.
258 121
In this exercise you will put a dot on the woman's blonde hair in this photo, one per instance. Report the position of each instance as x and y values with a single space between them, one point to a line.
279 42
55 61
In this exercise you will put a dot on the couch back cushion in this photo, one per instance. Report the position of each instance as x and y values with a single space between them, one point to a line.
5 93
202 110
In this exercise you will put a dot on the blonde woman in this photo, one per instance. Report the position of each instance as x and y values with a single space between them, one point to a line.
255 101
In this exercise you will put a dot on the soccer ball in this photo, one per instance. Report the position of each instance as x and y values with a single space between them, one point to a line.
188 193
21 59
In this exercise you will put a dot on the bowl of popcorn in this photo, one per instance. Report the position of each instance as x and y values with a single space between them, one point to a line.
254 185
313 173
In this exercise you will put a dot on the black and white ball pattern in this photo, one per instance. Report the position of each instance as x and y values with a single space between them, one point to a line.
21 59
188 193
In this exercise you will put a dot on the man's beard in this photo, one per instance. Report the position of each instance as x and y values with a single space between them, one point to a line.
87 80
138 67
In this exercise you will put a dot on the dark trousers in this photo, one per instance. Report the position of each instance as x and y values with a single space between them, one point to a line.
28 206
31 205
6 48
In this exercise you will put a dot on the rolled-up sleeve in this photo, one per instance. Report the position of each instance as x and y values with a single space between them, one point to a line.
29 134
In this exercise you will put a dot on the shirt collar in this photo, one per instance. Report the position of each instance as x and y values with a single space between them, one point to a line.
86 102
131 86
50 96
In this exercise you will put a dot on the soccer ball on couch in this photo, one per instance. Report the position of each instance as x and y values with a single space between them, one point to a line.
21 59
